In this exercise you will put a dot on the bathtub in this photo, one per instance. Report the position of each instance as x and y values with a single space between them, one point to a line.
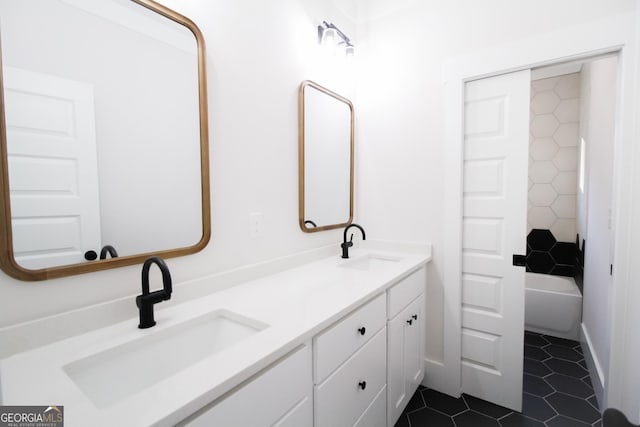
553 305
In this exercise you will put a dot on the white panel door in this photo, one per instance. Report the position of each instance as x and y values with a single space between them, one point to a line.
53 173
494 228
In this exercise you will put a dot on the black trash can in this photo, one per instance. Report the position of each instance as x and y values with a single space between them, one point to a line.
614 418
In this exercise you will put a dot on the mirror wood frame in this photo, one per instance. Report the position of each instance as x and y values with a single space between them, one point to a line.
7 260
301 152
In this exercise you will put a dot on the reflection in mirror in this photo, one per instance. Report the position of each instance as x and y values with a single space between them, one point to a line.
326 150
104 136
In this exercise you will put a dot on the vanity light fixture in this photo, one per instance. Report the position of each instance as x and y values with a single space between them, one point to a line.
331 37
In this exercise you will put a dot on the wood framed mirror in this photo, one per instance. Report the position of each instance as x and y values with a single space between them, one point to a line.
326 158
103 136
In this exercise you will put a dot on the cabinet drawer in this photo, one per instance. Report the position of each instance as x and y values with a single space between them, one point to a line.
340 400
376 414
255 404
405 291
338 342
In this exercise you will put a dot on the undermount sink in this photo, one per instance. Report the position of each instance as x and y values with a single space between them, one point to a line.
119 372
371 262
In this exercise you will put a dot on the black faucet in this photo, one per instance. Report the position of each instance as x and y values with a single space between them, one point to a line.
108 249
346 245
146 301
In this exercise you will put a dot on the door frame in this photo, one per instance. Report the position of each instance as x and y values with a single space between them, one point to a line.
614 35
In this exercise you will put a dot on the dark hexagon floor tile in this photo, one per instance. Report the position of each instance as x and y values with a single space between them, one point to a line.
562 421
569 385
536 385
534 367
561 341
474 419
416 402
597 424
583 363
562 352
565 367
535 353
535 407
519 420
535 340
587 380
572 407
486 408
594 402
578 348
403 421
443 402
429 417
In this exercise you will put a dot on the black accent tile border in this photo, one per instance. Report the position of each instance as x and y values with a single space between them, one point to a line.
546 255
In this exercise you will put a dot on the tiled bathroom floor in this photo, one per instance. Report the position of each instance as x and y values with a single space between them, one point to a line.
557 393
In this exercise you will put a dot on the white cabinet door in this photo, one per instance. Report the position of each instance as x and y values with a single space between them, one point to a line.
280 396
405 357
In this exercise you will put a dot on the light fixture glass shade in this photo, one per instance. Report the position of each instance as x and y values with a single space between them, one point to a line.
329 36
349 50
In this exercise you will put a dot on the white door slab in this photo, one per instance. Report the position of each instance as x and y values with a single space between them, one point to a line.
53 172
494 228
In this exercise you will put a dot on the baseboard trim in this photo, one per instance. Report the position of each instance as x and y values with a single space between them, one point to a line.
593 364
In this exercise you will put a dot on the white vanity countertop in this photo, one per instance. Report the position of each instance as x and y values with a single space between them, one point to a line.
296 304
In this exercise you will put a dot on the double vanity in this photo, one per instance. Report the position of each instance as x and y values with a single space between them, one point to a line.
331 342
320 341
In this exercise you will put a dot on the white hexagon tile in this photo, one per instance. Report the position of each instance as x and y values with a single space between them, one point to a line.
544 84
544 102
553 155
542 172
568 111
542 195
544 125
543 149
541 217
566 183
566 135
566 159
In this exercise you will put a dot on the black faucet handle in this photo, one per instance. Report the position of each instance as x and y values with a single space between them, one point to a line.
351 239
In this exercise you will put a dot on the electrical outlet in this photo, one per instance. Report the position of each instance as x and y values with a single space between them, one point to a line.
255 225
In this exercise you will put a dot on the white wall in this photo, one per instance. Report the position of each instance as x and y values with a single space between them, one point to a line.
624 369
598 133
257 55
402 123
